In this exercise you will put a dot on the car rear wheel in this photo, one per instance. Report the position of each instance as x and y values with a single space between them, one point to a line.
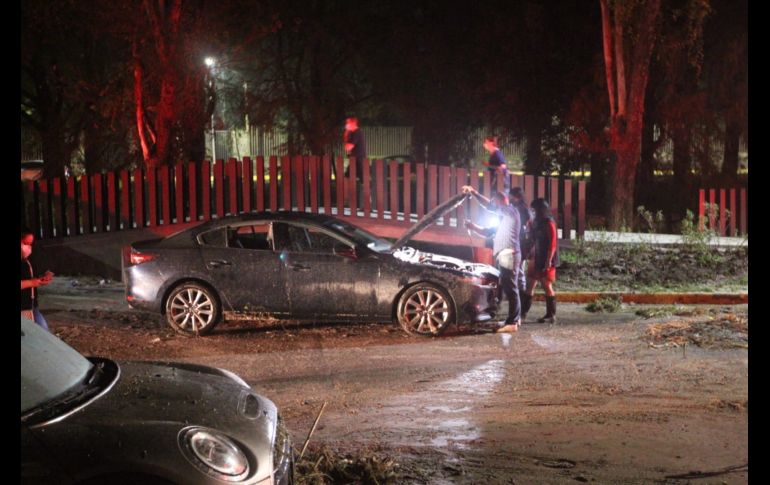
425 309
193 309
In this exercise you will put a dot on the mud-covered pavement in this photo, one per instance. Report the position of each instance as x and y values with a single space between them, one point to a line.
591 399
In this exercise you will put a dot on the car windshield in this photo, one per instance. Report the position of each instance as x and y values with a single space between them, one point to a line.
49 367
360 236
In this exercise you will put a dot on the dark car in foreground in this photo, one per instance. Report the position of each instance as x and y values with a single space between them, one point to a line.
304 266
96 421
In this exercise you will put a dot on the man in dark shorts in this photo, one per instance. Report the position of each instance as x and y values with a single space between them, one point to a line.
517 200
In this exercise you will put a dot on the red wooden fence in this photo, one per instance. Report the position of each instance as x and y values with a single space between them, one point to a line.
391 193
725 217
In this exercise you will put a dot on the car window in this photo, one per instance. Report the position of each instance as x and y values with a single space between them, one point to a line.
304 239
215 238
49 367
251 236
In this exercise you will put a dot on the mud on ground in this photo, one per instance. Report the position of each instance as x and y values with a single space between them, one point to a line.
601 398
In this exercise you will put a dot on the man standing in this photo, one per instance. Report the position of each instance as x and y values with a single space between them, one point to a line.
505 249
355 146
517 200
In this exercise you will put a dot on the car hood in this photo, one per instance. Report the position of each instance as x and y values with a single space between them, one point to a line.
141 417
413 256
429 218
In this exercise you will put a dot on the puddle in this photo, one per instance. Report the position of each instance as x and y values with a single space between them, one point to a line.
452 400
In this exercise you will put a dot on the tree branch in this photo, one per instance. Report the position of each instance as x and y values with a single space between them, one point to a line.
608 63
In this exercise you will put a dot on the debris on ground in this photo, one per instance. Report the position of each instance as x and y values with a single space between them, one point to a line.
668 310
725 330
324 465
609 304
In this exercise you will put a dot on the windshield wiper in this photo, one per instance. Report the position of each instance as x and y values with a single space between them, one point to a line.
80 393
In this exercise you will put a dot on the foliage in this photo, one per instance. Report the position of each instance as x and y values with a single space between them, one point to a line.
605 305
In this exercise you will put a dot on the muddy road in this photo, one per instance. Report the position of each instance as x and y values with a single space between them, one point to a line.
599 398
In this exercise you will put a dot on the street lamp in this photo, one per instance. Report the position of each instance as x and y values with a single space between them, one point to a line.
211 64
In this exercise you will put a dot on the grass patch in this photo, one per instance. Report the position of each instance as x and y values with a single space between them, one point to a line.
604 305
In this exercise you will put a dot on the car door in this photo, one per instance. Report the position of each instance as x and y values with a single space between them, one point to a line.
327 277
246 272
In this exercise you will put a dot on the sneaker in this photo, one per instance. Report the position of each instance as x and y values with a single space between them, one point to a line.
510 328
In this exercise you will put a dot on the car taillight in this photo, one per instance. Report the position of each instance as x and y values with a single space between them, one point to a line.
135 257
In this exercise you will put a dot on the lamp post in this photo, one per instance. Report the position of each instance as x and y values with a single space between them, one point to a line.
211 64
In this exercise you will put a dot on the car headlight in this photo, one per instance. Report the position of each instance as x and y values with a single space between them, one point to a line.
214 453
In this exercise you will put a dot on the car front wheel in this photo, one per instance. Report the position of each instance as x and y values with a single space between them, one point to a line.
425 309
193 309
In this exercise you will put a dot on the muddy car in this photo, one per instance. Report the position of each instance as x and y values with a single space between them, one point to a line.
304 266
96 421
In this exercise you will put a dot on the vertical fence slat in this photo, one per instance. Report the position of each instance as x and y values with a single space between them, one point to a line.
72 207
379 172
352 182
516 181
260 191
394 190
219 188
444 190
486 182
461 179
96 180
420 189
232 185
273 169
722 213
206 190
744 218
733 213
407 192
432 187
554 199
34 194
125 204
138 200
300 183
314 184
701 209
474 203
152 188
540 187
339 180
112 205
529 188
366 180
246 178
192 190
581 216
567 224
712 202
45 198
165 194
326 178
179 193
60 224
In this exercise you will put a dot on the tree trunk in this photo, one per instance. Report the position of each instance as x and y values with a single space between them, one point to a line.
682 138
533 163
625 144
646 172
55 152
732 147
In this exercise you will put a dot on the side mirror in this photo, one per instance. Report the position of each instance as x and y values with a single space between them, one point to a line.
345 250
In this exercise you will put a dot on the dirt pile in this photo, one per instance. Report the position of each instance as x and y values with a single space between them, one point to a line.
724 330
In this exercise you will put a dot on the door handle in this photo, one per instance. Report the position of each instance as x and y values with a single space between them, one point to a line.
220 262
299 267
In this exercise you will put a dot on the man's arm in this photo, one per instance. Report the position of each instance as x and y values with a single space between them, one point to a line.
481 231
483 201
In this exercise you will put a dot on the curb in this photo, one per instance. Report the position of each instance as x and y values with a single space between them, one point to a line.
652 298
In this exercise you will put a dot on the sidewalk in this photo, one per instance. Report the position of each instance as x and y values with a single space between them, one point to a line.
636 237
652 298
